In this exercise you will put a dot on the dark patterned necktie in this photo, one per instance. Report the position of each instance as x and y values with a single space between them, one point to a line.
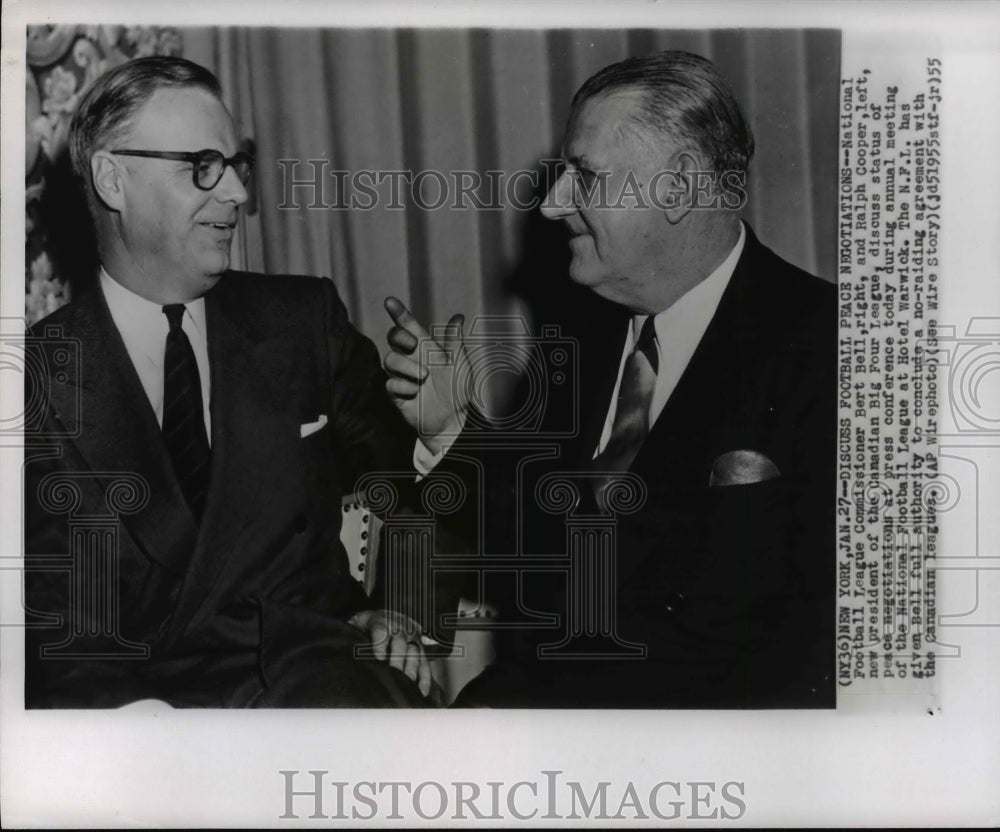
631 423
183 414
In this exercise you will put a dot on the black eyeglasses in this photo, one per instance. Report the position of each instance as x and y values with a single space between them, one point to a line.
208 166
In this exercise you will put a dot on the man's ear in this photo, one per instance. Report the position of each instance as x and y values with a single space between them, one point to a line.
108 177
676 187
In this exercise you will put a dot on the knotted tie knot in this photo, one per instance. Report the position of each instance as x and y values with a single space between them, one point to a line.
175 314
646 344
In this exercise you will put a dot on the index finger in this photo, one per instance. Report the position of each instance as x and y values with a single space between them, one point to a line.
402 318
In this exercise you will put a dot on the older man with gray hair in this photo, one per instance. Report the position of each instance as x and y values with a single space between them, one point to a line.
710 381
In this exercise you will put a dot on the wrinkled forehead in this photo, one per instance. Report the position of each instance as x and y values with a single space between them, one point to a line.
182 118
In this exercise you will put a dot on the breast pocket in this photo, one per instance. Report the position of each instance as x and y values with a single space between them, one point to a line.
317 452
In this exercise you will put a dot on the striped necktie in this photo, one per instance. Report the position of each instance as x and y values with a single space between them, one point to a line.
183 414
631 424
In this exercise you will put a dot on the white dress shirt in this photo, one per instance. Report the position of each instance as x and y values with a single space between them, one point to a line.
144 328
679 329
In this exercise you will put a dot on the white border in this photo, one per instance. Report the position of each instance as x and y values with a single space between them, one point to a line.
216 769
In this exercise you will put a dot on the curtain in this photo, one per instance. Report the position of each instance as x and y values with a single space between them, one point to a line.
474 100
434 100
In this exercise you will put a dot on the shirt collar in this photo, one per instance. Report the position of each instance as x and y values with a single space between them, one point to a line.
141 322
695 307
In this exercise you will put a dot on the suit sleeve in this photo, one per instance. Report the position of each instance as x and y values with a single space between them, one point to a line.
373 437
372 434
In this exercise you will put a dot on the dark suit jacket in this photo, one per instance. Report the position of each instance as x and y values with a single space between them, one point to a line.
250 609
730 590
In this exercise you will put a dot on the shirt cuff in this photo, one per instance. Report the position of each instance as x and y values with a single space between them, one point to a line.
424 459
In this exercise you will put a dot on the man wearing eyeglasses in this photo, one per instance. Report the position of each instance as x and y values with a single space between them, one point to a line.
213 421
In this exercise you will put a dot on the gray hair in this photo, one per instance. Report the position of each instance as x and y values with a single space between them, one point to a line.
106 111
684 98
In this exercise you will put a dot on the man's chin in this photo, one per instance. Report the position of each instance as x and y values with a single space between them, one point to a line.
210 273
584 273
216 265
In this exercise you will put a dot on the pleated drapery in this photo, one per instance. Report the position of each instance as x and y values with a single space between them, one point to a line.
451 100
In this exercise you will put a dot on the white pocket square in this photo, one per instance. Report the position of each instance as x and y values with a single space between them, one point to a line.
310 428
742 467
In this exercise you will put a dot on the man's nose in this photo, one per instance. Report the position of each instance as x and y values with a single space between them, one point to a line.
560 201
230 188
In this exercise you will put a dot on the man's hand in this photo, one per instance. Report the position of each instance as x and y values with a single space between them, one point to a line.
432 395
396 638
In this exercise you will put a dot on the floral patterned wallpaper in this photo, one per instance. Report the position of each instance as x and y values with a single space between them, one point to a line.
63 61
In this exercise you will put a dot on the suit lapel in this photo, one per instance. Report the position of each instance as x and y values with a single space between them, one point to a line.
711 393
712 390
116 432
247 405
